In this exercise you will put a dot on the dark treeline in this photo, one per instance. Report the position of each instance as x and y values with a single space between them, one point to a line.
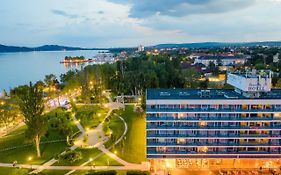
134 75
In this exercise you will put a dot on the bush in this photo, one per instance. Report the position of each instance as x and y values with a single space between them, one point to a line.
103 173
137 173
71 156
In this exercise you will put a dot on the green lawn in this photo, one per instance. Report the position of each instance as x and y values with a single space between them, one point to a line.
22 154
133 149
90 116
117 128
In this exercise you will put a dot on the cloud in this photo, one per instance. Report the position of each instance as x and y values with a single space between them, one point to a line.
179 8
64 14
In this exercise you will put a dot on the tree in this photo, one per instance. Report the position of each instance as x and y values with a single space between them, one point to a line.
278 84
9 113
32 106
66 130
50 81
213 68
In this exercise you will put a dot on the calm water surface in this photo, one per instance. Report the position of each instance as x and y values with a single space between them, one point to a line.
22 67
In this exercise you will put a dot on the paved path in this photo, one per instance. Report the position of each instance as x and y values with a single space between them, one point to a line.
113 156
35 167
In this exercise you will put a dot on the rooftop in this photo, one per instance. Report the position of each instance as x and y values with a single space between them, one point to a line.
215 57
183 94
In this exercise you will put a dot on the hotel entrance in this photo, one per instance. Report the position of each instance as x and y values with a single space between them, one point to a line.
214 164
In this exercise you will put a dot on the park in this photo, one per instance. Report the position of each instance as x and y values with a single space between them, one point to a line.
100 136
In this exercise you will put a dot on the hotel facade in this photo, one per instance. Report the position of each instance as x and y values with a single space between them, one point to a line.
216 128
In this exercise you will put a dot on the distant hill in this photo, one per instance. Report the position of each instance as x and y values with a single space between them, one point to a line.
4 48
219 44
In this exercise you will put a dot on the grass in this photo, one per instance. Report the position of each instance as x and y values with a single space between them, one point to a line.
133 149
90 116
21 154
13 171
117 127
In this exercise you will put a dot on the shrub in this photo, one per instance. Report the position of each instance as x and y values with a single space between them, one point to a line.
71 156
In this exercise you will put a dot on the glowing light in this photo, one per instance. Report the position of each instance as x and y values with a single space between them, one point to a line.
2 103
115 152
91 159
99 114
29 158
139 99
87 129
105 105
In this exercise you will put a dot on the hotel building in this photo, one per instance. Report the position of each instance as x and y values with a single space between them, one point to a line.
216 128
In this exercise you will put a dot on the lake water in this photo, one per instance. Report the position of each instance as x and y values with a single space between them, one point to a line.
22 67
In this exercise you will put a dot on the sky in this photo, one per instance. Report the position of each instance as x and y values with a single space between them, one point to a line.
129 23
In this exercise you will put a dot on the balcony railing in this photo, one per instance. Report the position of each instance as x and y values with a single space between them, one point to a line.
212 136
212 152
220 144
181 127
200 110
213 119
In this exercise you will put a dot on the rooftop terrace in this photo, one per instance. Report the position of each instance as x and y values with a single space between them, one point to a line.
182 94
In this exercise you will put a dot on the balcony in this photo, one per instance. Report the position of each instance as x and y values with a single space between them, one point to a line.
213 119
212 152
184 127
200 110
215 136
220 144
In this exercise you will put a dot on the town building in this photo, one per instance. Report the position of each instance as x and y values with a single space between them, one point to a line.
102 58
228 60
216 128
276 58
140 48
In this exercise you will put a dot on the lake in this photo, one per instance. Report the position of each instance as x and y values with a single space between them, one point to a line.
20 68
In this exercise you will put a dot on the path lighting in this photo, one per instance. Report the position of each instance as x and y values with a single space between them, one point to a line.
91 159
115 152
29 158
87 129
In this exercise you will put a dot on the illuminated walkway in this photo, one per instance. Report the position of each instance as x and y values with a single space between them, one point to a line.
40 167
